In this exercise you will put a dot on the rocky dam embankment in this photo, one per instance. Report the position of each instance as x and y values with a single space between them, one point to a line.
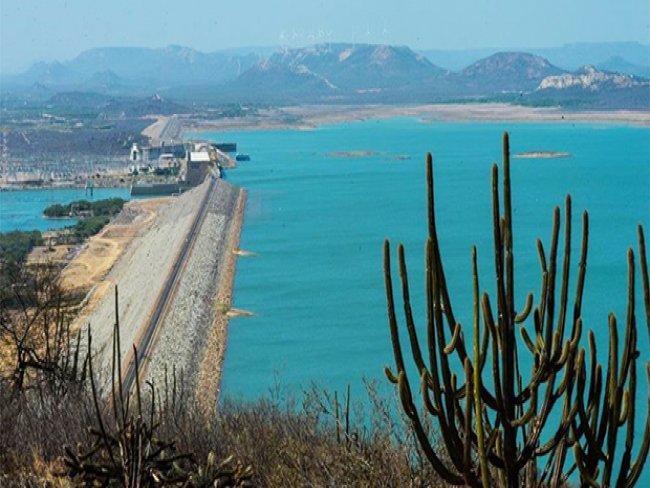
202 296
146 266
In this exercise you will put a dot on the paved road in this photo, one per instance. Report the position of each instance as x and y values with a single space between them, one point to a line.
172 131
145 343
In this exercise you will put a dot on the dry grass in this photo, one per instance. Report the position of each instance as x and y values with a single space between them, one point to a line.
287 444
45 254
102 250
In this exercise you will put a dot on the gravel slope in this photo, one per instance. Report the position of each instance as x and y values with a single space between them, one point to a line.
182 338
140 274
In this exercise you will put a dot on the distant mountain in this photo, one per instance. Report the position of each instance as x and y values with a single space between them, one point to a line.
506 72
572 56
328 73
362 73
105 80
361 66
458 59
618 64
153 68
336 71
274 81
45 74
154 104
569 56
164 66
261 52
75 102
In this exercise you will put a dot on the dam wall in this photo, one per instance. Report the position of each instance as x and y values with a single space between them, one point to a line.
140 274
182 341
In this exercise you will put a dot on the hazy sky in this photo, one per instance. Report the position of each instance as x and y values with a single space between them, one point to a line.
34 30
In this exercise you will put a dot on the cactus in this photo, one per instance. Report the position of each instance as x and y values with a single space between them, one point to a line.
498 430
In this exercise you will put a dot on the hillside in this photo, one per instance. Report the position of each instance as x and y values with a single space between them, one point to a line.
506 72
334 72
568 56
274 81
361 66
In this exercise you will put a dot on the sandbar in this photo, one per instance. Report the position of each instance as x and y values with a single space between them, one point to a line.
309 117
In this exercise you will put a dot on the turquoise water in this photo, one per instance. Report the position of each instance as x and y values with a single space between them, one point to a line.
317 224
23 209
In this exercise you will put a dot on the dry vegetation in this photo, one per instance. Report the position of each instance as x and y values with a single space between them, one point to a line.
285 445
57 429
103 250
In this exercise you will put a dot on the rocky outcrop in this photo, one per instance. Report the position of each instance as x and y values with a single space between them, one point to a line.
590 78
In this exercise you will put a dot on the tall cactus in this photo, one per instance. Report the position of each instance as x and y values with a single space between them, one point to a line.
498 429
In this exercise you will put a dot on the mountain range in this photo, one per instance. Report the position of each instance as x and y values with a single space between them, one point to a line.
130 69
347 73
568 57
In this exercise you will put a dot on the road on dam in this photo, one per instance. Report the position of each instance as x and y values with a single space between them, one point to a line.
169 278
149 329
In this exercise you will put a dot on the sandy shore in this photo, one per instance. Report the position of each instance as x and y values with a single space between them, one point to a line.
308 117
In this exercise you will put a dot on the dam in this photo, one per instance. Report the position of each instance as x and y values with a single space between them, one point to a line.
169 278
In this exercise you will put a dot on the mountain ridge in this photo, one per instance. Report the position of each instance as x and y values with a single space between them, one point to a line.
321 73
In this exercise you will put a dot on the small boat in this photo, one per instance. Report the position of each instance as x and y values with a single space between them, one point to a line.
242 157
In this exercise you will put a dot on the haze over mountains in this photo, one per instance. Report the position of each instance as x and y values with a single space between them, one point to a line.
610 75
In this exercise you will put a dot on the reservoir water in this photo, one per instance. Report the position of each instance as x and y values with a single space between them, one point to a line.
23 209
321 202
318 212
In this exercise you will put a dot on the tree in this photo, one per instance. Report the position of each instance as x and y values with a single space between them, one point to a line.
35 329
16 245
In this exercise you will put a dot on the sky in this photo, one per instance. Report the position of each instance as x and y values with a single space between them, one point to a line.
47 30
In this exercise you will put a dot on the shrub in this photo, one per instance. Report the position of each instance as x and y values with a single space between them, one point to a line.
89 227
16 245
105 207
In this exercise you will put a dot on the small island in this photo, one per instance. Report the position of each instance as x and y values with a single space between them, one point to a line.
542 155
353 154
83 208
91 218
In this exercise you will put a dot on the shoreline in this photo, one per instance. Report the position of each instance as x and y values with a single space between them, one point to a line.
208 385
310 117
58 186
